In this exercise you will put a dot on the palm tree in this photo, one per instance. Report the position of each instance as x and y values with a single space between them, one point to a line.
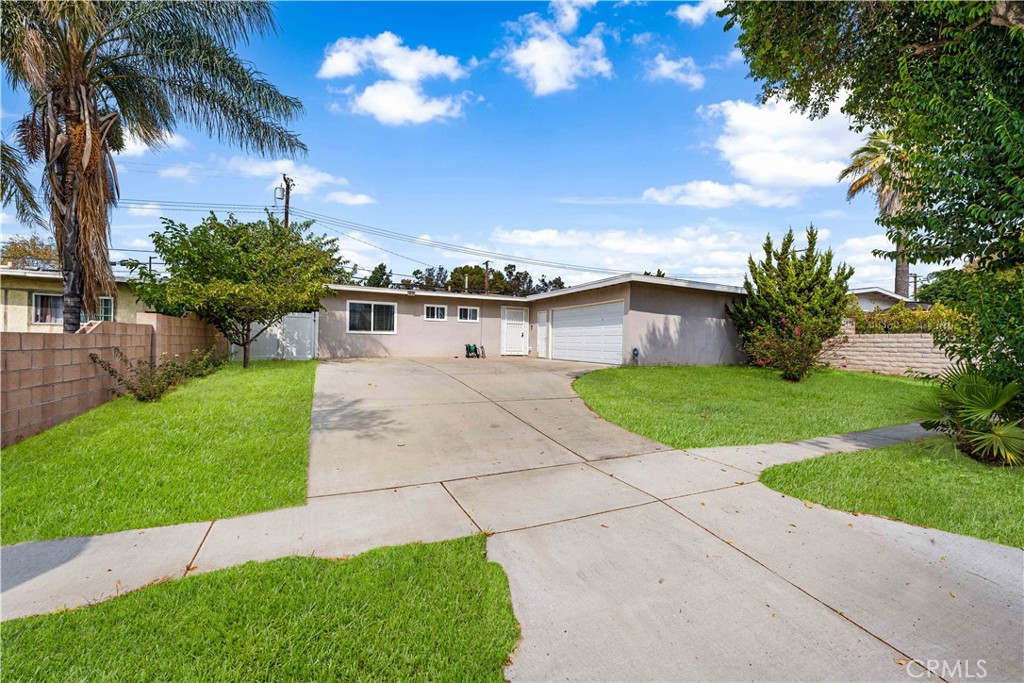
874 167
98 73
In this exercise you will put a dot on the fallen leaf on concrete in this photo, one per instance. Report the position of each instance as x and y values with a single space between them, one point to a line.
401 444
661 580
850 525
951 594
901 662
808 506
942 559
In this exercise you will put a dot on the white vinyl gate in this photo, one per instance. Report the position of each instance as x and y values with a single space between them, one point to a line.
295 337
588 333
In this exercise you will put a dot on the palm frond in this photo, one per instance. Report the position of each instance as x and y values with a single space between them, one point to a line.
15 186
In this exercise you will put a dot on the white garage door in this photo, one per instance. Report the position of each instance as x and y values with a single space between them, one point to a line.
588 333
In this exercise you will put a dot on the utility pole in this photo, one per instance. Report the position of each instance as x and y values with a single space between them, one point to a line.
487 276
915 276
288 184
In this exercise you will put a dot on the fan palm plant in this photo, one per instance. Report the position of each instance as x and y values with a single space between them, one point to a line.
982 418
873 166
98 73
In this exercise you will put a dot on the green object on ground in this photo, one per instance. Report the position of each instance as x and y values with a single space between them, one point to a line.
927 483
422 612
224 445
725 405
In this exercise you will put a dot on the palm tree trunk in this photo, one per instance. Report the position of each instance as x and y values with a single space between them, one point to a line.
902 276
74 279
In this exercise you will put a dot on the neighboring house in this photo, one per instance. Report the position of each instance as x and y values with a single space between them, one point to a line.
33 301
870 298
667 321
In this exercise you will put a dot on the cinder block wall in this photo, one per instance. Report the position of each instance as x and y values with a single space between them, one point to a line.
891 354
179 336
46 379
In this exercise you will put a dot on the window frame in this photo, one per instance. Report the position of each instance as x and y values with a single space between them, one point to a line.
458 315
348 316
35 307
436 307
113 311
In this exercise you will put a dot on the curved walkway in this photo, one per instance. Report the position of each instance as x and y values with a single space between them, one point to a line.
627 560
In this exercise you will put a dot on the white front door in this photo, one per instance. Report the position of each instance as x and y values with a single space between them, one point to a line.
514 341
542 334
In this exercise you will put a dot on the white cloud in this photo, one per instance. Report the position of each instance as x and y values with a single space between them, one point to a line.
395 103
683 70
696 14
548 61
140 243
183 172
709 194
398 99
567 13
349 198
145 210
307 178
386 53
133 147
774 146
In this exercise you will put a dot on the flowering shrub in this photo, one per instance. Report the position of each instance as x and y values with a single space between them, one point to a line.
794 348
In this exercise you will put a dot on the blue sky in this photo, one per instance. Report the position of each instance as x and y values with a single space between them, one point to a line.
617 136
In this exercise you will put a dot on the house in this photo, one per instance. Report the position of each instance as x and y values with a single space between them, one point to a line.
622 319
871 298
32 301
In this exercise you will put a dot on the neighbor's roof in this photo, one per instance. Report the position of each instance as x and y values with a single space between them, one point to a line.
879 290
597 284
43 274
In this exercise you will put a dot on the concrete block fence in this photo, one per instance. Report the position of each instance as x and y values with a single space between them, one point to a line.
891 354
49 378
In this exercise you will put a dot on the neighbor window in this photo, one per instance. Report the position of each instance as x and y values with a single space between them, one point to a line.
366 317
435 312
106 312
469 314
48 309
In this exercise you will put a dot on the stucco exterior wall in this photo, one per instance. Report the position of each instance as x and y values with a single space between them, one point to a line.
16 303
414 335
869 301
673 326
601 295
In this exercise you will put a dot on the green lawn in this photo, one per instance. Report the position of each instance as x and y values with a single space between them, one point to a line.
433 612
227 444
695 406
925 483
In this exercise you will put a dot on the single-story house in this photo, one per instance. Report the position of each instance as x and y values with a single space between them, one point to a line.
870 298
623 319
33 301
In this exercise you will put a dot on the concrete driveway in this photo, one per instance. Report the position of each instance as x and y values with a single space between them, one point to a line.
626 560
631 561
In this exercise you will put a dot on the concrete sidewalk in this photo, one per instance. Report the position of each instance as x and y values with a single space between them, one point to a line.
627 560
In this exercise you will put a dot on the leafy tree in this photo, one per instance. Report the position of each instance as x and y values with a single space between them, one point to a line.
477 276
380 277
546 285
944 78
431 278
517 282
97 73
794 304
944 286
659 273
240 277
29 252
874 166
